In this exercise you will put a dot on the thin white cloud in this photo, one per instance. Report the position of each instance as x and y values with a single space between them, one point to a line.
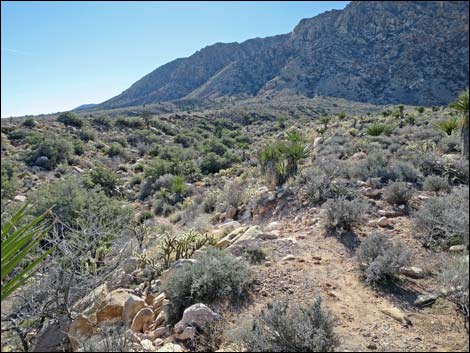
16 51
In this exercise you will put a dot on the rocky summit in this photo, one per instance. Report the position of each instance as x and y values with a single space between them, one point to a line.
372 51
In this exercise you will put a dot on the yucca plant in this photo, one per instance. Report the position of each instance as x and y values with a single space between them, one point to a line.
462 106
377 129
18 242
447 126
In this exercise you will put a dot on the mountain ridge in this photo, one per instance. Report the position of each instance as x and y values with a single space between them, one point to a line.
374 52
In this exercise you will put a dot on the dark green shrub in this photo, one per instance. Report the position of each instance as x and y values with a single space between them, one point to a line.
280 328
105 178
70 119
29 122
87 135
9 179
381 259
55 149
377 129
216 276
131 123
116 150
448 126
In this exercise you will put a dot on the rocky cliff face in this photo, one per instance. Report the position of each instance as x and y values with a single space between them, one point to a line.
376 52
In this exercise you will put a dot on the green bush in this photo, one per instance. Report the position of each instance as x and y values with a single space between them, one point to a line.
448 126
116 150
281 328
29 122
377 129
131 123
87 135
56 149
70 119
216 276
71 202
9 180
381 259
105 178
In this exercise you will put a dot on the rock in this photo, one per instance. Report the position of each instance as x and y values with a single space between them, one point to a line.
271 226
42 161
197 315
142 320
170 347
372 346
54 337
289 257
426 299
457 248
317 141
397 314
147 345
131 308
358 156
20 198
80 329
383 222
92 300
111 310
158 303
161 318
412 272
188 334
231 213
160 332
78 169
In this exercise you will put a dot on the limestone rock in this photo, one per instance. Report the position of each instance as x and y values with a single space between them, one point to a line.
131 307
111 310
170 347
197 315
142 320
398 315
412 272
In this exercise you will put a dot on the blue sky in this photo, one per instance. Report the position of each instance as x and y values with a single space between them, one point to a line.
59 55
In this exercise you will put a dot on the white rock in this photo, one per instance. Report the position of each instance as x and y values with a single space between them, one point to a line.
197 315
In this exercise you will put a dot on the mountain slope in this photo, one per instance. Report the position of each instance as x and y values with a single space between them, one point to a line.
376 52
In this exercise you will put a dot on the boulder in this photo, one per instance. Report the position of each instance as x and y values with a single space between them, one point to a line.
20 198
80 329
111 309
158 303
231 213
198 316
147 345
412 272
92 300
289 257
161 318
426 299
457 248
188 334
142 320
398 315
383 222
160 332
131 307
170 347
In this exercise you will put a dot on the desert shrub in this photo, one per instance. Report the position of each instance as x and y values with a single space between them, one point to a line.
165 128
398 193
29 122
210 338
254 255
420 110
233 195
185 140
280 160
102 121
210 200
454 277
404 171
116 150
448 126
380 258
377 129
87 135
457 172
71 202
435 183
9 179
70 119
216 276
131 123
142 136
105 178
341 214
212 163
450 144
280 328
443 220
78 148
56 149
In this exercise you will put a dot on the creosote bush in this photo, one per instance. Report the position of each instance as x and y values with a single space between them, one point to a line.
56 150
70 119
380 258
435 183
216 276
280 328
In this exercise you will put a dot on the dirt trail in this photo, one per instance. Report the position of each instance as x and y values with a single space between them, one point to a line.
326 266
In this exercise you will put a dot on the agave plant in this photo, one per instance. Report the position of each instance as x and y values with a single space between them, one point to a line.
18 242
447 126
